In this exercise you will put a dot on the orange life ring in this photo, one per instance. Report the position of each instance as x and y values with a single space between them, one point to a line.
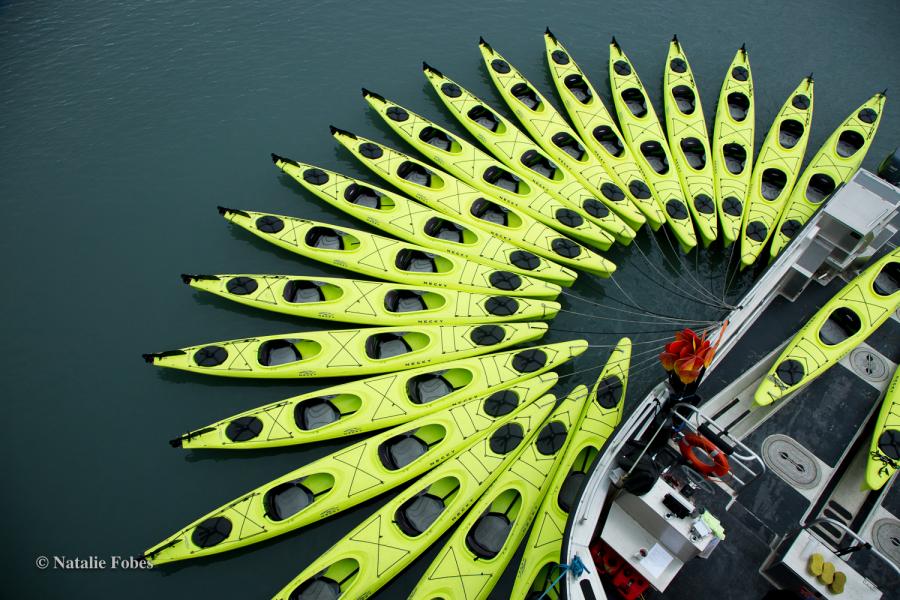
719 467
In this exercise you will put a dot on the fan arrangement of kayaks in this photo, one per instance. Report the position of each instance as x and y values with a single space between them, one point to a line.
461 274
844 322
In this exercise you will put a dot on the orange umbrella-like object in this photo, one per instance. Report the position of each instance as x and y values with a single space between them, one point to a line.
689 354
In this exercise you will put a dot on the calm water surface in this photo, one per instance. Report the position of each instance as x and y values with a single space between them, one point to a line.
123 125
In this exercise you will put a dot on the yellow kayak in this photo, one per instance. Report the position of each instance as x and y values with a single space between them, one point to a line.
469 164
517 151
598 130
839 327
341 480
834 164
385 258
379 402
387 542
549 129
644 135
732 146
345 352
776 171
472 560
443 192
689 141
602 414
418 224
368 302
884 452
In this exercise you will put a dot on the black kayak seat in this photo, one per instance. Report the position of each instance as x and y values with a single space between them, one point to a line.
849 143
403 301
655 155
841 324
486 538
887 282
287 499
428 387
484 117
635 101
416 515
314 413
579 88
569 145
415 261
272 353
608 138
694 152
568 492
735 158
539 163
437 138
442 229
414 173
738 105
362 195
301 291
789 133
526 95
317 588
820 187
502 179
772 183
325 238
401 450
685 99
386 345
490 212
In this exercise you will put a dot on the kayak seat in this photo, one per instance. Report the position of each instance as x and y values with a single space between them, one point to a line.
415 261
484 117
887 282
529 361
317 588
382 346
635 101
437 138
444 230
551 438
655 156
526 95
772 184
841 324
735 158
490 212
501 403
402 301
539 163
287 499
416 515
241 286
685 99
889 443
694 152
243 429
849 143
362 195
272 353
732 206
401 450
789 133
486 538
301 291
579 88
502 179
738 105
210 356
820 187
609 392
428 387
211 532
608 138
569 145
314 413
568 491
324 238
414 173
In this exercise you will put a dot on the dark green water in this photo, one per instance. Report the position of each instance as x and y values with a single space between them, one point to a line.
123 125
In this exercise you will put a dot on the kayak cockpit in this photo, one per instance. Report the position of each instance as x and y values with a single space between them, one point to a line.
439 139
314 413
491 212
428 387
738 105
527 96
488 535
482 116
364 196
326 238
273 353
443 229
304 291
789 133
416 261
656 156
569 145
608 139
685 99
735 156
381 346
849 143
404 301
417 514
505 180
694 152
772 183
635 101
887 282
540 164
405 448
841 324
820 186
578 86
329 583
419 175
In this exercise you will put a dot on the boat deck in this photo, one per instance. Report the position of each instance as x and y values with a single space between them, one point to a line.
808 447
